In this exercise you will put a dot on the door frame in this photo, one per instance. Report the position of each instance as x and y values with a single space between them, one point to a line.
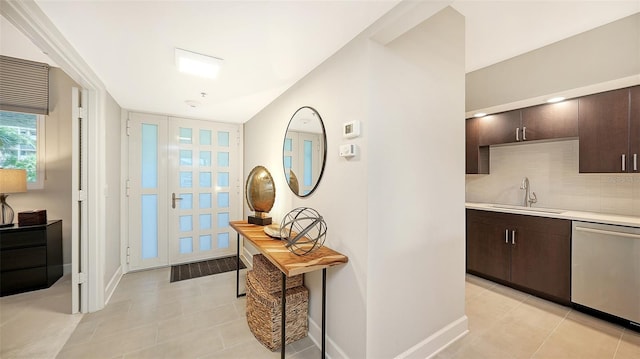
26 16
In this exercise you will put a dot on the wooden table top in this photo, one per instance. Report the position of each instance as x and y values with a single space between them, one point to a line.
290 264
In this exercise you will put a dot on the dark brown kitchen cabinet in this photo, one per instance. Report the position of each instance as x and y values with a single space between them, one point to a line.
603 126
499 128
477 158
634 130
543 122
488 252
549 121
527 252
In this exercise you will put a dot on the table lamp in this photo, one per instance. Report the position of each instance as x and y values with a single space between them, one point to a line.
11 181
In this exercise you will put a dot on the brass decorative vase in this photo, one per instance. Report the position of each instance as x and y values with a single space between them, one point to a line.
260 192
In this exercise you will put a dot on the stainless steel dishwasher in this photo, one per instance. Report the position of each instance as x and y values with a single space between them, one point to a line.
605 269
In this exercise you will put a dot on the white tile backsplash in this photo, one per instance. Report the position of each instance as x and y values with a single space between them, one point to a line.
552 168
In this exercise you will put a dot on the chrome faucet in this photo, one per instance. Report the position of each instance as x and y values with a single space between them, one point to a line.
529 197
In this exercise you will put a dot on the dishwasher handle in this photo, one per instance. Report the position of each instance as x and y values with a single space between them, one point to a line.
611 233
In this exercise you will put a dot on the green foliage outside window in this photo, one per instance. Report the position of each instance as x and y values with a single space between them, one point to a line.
18 142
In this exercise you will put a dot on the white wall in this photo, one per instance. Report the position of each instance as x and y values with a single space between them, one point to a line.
337 89
56 195
606 53
416 211
552 169
405 277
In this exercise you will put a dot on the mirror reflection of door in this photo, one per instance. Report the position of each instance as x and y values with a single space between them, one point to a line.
303 160
304 151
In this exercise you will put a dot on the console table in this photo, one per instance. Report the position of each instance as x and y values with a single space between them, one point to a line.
30 257
289 264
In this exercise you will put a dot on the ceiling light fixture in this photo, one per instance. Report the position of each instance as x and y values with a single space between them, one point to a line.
555 99
197 64
479 114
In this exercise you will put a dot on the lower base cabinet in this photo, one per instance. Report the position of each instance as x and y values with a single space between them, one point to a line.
529 253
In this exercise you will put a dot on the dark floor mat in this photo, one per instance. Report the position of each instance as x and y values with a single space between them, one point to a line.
200 269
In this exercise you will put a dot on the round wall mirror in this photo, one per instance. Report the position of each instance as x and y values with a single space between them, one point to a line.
304 151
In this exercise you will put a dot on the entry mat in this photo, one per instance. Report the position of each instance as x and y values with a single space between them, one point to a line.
200 269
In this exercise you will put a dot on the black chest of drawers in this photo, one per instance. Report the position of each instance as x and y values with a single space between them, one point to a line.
30 257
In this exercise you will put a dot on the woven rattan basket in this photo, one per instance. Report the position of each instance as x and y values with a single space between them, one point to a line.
264 309
270 277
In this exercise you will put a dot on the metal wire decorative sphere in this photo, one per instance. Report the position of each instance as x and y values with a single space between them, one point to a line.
304 230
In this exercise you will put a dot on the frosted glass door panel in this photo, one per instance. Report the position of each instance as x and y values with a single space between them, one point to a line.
149 156
147 187
149 226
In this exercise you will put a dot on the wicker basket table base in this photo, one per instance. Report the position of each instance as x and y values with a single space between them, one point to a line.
264 313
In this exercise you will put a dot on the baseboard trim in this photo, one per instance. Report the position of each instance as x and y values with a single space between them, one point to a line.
438 341
66 269
112 285
315 334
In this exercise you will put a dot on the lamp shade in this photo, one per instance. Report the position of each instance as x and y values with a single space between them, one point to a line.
13 180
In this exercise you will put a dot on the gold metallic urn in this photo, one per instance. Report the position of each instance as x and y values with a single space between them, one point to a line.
260 192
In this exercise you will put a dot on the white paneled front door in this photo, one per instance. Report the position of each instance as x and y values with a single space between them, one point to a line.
184 188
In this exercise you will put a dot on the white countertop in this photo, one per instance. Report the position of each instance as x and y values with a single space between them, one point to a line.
606 218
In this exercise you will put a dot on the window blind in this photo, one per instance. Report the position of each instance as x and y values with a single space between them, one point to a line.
24 86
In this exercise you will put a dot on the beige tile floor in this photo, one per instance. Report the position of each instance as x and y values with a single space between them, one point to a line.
505 323
148 317
37 324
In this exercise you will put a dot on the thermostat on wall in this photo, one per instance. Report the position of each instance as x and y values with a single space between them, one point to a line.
351 129
348 150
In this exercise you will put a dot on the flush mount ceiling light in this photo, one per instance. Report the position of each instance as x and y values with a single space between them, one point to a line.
197 64
479 114
555 99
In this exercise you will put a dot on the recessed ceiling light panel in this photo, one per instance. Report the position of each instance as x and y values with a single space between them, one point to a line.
479 114
197 64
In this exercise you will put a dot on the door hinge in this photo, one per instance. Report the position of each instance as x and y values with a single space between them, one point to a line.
82 112
127 187
81 196
81 277
128 127
128 254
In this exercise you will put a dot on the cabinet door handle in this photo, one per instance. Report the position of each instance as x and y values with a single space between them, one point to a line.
635 161
624 162
174 199
506 236
524 133
513 237
518 134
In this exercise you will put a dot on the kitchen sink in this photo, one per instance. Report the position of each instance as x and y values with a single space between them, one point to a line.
527 209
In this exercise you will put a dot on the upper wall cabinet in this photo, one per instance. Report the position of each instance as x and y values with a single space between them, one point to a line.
500 128
477 158
604 120
553 120
607 125
543 122
634 130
